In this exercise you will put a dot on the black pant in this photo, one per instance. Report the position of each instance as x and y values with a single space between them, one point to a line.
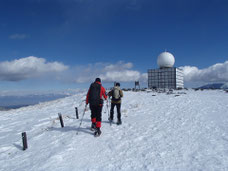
118 106
96 112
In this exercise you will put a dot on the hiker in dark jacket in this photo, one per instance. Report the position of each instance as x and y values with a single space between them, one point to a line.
95 101
116 93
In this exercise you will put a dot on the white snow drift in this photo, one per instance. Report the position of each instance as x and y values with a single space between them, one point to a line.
159 132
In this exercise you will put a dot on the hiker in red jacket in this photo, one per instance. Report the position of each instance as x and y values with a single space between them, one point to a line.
95 101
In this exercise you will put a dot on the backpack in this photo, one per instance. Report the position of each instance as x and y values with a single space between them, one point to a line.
116 94
94 94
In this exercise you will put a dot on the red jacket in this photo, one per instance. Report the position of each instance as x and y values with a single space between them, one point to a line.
102 93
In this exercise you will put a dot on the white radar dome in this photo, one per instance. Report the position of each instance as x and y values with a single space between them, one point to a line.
165 60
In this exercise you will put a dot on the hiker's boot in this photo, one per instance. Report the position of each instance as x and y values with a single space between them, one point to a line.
119 122
110 119
93 126
97 133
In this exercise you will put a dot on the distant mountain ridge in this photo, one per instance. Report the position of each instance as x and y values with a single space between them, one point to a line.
215 86
14 102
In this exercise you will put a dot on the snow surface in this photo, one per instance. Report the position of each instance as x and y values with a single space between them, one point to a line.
159 132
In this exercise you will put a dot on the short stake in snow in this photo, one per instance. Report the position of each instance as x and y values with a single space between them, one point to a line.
61 120
76 110
24 140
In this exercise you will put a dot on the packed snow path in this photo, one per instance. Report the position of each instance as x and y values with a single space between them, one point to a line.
159 132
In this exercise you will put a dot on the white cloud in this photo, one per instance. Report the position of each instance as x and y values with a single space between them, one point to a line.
119 66
144 77
134 5
119 71
124 72
123 76
19 36
28 67
215 73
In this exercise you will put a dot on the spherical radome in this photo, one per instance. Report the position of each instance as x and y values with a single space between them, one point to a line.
165 60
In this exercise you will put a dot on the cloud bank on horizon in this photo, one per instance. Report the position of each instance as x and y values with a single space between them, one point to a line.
33 67
215 73
29 67
119 71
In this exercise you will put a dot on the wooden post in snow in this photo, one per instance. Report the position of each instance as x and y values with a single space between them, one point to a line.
24 140
61 120
76 110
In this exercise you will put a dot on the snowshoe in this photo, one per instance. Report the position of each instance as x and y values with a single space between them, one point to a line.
119 122
93 127
97 133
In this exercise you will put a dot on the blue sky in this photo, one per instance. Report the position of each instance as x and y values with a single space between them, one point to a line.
85 36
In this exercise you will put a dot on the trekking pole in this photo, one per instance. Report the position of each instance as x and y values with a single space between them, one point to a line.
81 120
108 113
107 107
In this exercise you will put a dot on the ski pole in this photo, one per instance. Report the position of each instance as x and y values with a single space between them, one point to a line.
81 120
107 108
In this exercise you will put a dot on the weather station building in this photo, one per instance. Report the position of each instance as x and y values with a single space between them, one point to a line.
166 76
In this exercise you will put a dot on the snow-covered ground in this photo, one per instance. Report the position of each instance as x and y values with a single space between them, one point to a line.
159 132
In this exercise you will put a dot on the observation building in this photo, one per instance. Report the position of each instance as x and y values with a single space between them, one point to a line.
166 76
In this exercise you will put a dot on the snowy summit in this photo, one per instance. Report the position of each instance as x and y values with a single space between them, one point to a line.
183 130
